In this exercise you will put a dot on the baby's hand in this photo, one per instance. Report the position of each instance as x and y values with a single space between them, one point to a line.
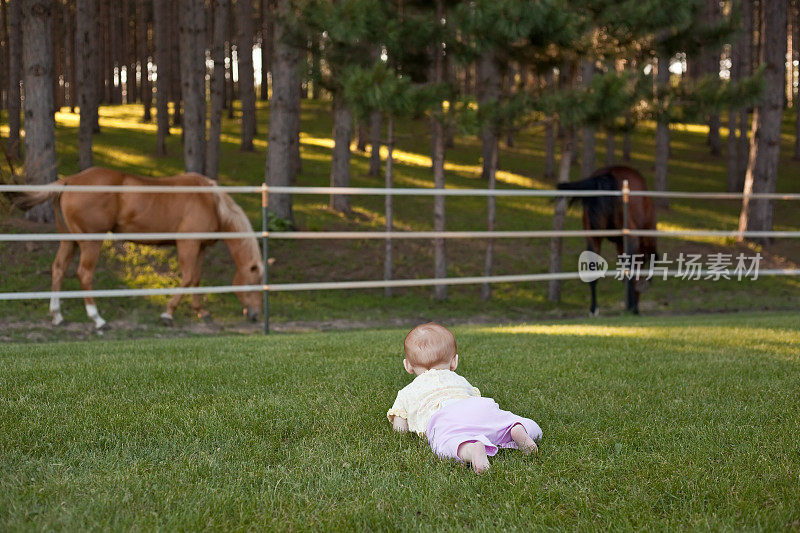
399 424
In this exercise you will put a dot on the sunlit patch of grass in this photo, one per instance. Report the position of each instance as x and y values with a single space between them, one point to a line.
574 330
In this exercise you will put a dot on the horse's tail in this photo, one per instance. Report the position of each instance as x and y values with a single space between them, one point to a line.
600 181
28 199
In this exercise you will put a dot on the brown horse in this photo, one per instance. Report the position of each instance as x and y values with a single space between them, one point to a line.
142 212
605 212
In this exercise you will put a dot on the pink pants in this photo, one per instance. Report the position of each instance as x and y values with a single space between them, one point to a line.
475 420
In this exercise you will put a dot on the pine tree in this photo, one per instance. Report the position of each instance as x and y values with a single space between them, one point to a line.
283 117
762 172
40 125
220 27
86 48
193 70
244 48
161 27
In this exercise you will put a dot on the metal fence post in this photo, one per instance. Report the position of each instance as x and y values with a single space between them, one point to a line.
265 254
626 191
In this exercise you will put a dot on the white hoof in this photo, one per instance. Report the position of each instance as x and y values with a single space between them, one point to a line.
596 312
166 319
58 319
100 324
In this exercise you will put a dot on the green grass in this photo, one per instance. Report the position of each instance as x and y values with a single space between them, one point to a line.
654 423
125 143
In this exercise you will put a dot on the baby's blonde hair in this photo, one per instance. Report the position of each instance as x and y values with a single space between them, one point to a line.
428 345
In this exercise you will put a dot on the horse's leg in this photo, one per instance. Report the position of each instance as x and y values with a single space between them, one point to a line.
187 260
63 257
90 253
632 295
593 246
197 299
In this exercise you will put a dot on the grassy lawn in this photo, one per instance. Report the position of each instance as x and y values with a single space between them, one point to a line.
127 143
656 423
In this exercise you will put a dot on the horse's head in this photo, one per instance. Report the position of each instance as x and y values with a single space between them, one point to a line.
250 273
246 254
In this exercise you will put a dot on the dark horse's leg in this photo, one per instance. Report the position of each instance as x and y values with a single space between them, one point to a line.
593 246
631 293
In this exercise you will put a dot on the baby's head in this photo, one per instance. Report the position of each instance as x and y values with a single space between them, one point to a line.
429 346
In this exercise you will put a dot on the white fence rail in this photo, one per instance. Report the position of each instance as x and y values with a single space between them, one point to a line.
265 190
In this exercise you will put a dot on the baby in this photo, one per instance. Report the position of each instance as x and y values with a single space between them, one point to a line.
444 406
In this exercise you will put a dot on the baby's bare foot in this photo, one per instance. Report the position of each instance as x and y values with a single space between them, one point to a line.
475 454
523 441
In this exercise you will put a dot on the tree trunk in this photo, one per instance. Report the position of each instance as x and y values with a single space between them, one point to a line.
106 70
14 75
4 54
230 87
69 45
560 213
437 160
295 146
176 66
794 14
711 66
732 150
217 86
488 95
55 42
124 11
610 147
144 56
626 138
745 69
550 147
491 212
86 34
549 137
732 143
40 124
762 171
340 162
115 39
375 143
661 169
193 83
388 202
587 132
266 47
161 26
361 136
247 91
280 166
508 90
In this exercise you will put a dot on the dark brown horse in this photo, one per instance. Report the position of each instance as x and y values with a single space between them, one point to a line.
143 212
605 212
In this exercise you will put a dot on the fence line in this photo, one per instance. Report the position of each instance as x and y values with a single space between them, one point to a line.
368 284
338 235
265 235
382 191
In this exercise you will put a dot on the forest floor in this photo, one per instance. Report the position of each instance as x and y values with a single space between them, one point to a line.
128 144
662 423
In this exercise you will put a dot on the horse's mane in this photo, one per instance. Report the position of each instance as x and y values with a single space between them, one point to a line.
233 218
